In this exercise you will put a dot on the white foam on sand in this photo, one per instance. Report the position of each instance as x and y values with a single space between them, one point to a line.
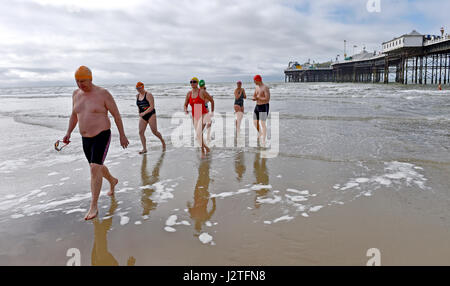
76 211
315 209
46 186
172 220
283 218
54 204
397 173
272 201
161 194
124 220
296 198
241 191
304 193
259 187
124 190
205 238
169 229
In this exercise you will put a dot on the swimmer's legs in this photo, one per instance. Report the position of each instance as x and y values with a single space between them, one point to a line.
98 172
96 186
142 127
154 127
263 132
239 116
112 181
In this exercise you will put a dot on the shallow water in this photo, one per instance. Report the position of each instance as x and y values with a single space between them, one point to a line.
359 166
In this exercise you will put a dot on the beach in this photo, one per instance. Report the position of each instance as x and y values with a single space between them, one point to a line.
359 166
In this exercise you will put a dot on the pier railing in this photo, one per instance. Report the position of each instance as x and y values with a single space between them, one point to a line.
437 41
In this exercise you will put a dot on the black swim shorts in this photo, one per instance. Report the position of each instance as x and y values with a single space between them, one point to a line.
95 148
261 112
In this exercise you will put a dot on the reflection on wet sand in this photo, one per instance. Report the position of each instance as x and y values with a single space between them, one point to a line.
147 203
261 176
239 165
100 254
199 211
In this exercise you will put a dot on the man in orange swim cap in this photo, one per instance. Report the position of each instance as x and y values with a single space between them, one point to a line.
83 77
90 107
262 98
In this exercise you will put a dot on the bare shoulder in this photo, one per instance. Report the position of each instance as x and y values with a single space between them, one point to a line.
76 94
104 92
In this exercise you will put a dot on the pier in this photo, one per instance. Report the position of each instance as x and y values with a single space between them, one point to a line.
413 58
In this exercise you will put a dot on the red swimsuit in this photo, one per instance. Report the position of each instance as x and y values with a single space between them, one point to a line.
197 103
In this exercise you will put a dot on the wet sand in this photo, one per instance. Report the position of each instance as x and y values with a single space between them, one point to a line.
231 196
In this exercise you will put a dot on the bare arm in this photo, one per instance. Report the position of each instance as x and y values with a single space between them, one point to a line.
209 98
112 108
72 121
245 96
186 103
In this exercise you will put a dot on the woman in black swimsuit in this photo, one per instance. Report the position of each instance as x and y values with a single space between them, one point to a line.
147 113
239 96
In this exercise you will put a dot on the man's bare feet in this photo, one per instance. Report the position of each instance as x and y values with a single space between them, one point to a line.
143 152
112 186
92 213
206 149
164 146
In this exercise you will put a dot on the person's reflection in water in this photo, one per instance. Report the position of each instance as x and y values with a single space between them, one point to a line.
100 254
261 176
239 165
147 203
199 211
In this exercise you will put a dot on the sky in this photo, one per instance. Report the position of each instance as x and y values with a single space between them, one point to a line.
43 42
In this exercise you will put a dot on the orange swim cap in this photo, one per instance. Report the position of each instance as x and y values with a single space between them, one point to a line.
83 72
139 85
257 78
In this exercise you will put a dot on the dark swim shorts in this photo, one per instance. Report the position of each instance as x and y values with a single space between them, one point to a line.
95 148
261 112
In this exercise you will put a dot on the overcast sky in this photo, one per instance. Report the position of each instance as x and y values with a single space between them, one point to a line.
42 42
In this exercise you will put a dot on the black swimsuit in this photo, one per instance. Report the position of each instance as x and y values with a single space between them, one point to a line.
143 106
240 100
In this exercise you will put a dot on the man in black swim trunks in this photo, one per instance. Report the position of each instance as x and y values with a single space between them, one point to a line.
90 106
262 98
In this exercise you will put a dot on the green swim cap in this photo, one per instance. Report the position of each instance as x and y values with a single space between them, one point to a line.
201 83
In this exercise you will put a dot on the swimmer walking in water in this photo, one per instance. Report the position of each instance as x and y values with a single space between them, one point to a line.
262 98
196 99
209 115
239 96
90 106
147 113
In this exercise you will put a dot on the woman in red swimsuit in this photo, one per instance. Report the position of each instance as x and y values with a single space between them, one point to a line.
196 99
